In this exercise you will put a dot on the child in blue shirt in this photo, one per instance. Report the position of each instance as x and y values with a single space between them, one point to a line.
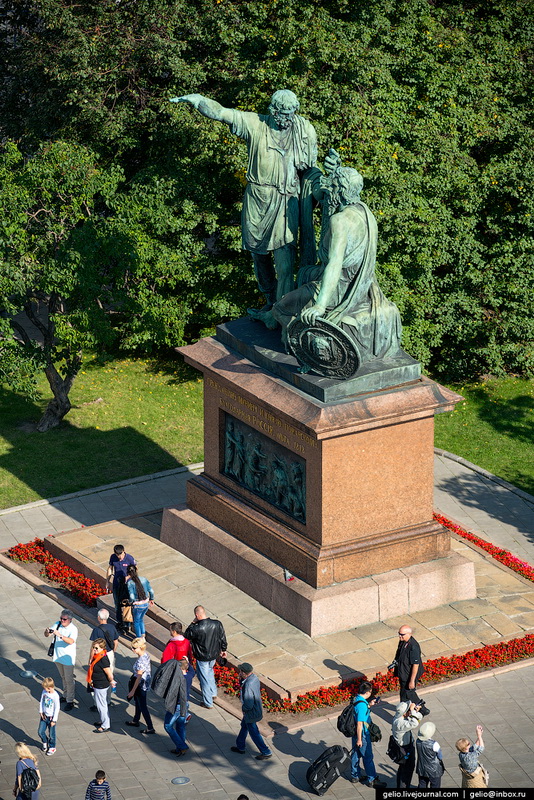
98 789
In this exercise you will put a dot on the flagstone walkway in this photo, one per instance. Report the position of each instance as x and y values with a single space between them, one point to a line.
141 767
288 657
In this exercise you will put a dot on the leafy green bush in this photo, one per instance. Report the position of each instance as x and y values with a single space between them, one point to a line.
431 101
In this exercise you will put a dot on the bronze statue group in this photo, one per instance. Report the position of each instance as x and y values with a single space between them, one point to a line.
335 296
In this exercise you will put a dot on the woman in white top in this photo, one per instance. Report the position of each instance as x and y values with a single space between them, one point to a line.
139 685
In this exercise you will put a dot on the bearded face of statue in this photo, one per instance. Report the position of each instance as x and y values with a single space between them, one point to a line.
283 116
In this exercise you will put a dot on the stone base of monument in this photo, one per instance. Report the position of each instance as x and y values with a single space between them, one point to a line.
318 564
334 608
338 492
265 348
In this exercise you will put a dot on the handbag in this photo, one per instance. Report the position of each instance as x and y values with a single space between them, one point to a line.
396 751
127 615
50 652
131 682
375 734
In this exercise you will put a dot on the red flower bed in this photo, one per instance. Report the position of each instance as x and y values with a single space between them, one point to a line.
498 553
84 589
436 671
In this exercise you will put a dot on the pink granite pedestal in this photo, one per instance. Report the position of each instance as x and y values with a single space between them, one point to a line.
318 611
363 539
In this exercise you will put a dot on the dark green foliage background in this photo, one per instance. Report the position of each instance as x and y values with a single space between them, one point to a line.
431 101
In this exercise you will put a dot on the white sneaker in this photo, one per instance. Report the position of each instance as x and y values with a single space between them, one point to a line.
44 746
50 751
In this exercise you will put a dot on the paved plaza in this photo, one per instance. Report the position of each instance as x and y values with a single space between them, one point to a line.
142 767
290 659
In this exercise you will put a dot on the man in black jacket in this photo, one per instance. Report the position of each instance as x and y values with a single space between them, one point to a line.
208 640
409 668
169 683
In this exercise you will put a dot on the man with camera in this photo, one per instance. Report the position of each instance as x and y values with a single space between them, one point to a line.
402 726
408 668
65 634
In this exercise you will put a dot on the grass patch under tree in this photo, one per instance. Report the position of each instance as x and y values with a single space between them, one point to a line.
493 428
130 417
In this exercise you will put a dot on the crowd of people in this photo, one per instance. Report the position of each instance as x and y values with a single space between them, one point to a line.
185 654
422 755
196 651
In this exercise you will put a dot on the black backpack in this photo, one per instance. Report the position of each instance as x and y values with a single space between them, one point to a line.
29 781
107 637
396 752
346 724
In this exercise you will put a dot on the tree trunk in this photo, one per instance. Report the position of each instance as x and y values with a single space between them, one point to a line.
60 405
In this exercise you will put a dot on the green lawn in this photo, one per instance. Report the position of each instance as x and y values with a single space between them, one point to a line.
130 417
493 428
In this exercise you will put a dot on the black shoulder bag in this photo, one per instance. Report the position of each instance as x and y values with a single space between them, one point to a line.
375 734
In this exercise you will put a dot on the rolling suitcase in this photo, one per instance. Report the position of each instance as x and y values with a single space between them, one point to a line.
326 769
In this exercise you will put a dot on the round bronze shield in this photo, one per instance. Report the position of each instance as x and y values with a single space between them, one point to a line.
323 347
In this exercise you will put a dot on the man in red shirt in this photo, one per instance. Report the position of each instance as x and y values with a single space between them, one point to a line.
178 646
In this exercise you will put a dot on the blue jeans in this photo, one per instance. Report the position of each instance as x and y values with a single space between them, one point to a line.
208 687
255 735
138 613
174 724
365 752
44 726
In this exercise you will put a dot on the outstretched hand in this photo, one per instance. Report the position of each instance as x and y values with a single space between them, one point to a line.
192 99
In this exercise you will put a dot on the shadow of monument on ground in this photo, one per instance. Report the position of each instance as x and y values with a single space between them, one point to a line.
473 491
345 673
58 462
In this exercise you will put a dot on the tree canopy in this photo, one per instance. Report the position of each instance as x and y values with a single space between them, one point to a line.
431 101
